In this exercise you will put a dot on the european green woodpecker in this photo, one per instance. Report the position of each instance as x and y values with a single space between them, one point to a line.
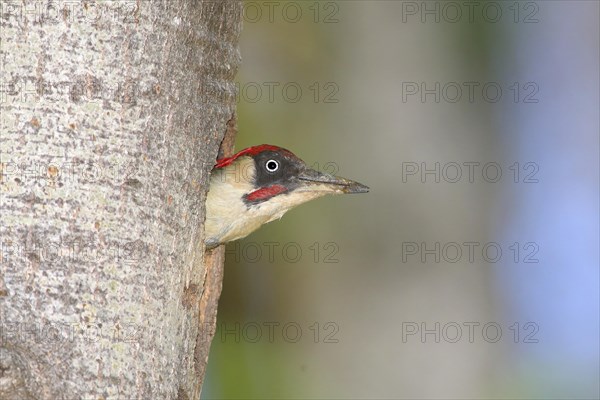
258 185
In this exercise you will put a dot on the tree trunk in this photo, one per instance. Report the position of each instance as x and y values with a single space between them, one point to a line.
112 116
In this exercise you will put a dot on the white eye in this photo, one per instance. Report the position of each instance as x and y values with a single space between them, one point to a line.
272 165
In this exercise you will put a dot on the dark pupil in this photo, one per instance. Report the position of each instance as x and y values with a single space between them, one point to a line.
271 165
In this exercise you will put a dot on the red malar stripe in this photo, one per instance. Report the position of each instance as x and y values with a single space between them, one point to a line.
250 151
265 193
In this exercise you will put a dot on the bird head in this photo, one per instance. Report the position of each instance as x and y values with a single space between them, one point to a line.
259 184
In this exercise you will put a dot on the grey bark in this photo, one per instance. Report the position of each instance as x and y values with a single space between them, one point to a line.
112 116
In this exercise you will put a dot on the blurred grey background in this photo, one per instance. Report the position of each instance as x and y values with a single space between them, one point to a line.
447 280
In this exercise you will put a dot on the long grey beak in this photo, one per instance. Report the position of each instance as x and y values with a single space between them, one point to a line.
334 183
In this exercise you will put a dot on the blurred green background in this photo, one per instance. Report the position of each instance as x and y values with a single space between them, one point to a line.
333 301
